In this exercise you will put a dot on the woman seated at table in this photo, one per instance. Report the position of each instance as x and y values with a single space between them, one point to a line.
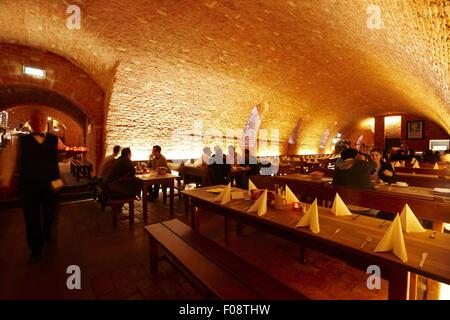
381 170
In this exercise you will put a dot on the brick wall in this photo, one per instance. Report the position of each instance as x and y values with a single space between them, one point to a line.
163 64
432 131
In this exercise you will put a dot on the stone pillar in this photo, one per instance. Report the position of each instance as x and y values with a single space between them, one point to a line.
379 132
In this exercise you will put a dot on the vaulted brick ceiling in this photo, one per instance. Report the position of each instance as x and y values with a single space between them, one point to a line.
312 60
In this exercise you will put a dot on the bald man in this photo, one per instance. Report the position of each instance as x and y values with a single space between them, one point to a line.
36 157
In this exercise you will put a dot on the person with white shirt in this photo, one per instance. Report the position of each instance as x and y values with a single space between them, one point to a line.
204 159
36 156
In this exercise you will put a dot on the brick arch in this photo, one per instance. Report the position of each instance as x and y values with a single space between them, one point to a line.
66 87
75 133
12 96
15 96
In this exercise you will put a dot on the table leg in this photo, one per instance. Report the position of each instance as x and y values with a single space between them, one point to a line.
186 205
144 201
227 230
434 287
413 278
195 221
398 285
171 196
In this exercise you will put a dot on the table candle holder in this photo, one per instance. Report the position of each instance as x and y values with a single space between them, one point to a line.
296 206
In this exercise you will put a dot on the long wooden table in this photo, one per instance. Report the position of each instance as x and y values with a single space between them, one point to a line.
435 172
389 198
167 180
344 245
424 180
411 191
302 184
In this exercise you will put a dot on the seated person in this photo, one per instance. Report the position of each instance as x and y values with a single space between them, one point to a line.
381 170
252 163
219 168
158 163
233 157
204 159
108 162
352 172
120 182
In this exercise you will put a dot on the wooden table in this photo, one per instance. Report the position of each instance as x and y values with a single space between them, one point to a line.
414 192
167 180
344 245
300 184
424 180
236 172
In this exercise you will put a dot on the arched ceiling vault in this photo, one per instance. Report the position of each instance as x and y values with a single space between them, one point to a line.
13 96
320 56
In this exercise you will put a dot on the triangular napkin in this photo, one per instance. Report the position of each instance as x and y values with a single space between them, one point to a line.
393 240
436 166
311 218
225 196
251 185
413 160
290 196
416 165
397 164
260 205
409 221
339 208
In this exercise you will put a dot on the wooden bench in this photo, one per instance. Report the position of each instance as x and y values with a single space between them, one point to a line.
116 204
80 168
214 271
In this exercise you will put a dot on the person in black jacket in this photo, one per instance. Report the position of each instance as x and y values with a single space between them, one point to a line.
120 181
381 169
218 167
352 172
36 157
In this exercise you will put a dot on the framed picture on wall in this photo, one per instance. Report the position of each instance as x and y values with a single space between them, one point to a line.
414 130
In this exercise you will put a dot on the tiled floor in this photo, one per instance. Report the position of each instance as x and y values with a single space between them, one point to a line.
114 262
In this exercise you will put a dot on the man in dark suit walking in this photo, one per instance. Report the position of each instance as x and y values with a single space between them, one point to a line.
36 158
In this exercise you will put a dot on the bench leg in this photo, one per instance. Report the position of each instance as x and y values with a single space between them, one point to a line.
131 212
153 256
